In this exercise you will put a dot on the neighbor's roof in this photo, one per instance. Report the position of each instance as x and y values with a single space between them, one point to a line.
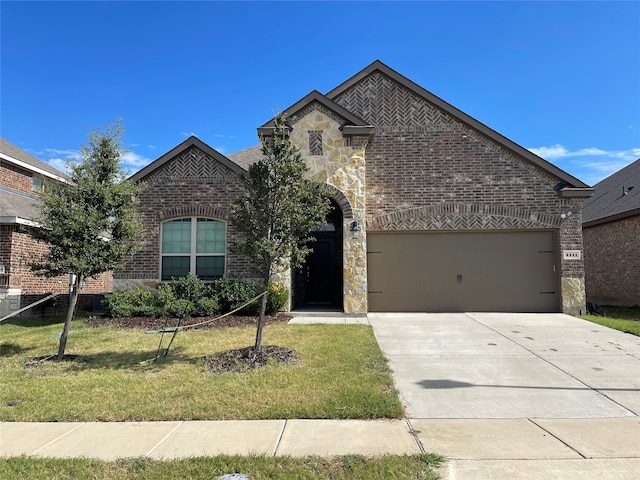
616 197
17 156
18 207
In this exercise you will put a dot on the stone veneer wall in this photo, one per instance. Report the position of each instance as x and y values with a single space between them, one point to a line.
612 262
427 171
342 167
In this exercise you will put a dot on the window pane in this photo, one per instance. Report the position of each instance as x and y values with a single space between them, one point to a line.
176 236
209 268
210 236
174 267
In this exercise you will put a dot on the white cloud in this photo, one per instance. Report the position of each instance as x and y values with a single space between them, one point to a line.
132 159
590 164
60 164
58 159
188 134
558 151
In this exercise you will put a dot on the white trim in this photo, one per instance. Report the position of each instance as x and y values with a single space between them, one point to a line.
19 221
30 167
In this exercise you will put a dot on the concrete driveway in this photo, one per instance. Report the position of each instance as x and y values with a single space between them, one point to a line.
509 366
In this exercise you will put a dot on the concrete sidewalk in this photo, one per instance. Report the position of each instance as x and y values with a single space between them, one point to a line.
476 448
501 396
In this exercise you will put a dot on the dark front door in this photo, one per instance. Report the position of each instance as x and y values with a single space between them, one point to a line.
317 284
321 272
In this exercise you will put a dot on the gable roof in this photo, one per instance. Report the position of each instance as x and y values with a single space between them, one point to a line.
616 197
462 117
352 121
19 157
192 141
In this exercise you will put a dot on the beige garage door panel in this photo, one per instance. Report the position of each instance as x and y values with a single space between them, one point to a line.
470 271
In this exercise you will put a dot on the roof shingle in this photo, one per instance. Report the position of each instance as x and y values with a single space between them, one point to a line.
615 197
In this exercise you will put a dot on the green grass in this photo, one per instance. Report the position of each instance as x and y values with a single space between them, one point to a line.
256 467
342 374
625 319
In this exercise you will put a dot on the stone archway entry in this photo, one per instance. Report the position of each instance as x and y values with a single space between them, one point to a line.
318 283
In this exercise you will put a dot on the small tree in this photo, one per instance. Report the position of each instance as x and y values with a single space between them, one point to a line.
90 223
277 211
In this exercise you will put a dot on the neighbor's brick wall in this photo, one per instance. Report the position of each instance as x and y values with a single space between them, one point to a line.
18 249
16 178
191 184
612 262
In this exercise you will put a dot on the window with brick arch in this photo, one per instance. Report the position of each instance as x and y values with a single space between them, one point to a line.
193 245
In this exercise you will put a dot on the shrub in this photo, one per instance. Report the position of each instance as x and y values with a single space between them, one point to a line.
189 287
130 303
190 296
170 305
232 293
277 297
205 307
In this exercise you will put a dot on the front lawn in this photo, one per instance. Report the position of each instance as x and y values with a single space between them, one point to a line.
256 467
625 319
340 373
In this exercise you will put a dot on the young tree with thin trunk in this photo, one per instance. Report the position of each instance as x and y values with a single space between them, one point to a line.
89 223
277 211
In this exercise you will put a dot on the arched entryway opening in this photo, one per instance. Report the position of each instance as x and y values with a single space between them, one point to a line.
318 283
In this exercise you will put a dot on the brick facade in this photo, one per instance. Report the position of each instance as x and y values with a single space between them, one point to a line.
191 184
415 164
428 171
612 262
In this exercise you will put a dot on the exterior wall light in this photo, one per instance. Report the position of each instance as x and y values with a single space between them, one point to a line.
355 229
566 212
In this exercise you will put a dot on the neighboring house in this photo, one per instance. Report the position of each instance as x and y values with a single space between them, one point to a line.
433 211
22 178
611 231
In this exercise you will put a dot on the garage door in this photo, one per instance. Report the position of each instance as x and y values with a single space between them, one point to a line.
467 271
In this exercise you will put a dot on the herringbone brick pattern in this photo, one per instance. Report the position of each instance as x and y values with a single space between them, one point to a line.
452 216
380 101
193 163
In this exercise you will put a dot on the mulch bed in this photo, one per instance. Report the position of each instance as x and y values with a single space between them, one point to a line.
243 359
155 323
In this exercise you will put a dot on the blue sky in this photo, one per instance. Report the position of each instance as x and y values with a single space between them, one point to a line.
559 78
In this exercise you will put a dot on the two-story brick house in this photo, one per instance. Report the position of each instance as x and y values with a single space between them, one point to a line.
22 178
433 211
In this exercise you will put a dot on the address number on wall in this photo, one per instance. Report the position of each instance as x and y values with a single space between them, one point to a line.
572 254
